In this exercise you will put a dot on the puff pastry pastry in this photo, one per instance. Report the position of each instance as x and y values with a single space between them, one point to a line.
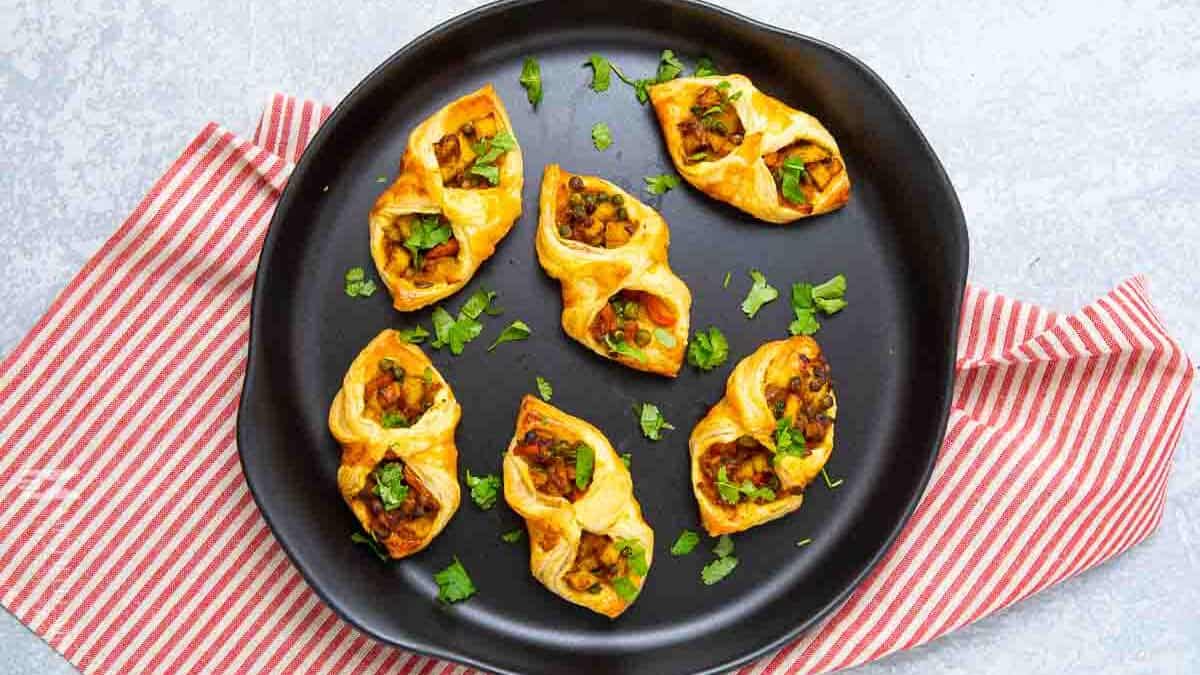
395 419
766 439
457 195
588 542
609 251
738 145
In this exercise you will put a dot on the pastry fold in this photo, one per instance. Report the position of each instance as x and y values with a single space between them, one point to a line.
742 177
632 265
421 445
479 213
559 523
782 380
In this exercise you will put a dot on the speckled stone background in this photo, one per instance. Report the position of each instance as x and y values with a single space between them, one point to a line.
1071 132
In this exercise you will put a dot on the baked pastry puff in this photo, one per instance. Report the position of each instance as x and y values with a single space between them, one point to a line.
609 252
738 145
395 419
457 195
588 542
766 439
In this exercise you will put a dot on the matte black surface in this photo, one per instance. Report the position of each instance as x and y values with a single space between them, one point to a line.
901 242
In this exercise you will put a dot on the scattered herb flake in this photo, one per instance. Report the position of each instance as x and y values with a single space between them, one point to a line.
705 67
513 536
357 285
803 542
625 589
760 294
427 232
669 66
454 584
376 547
717 570
601 72
544 388
415 335
831 484
662 183
728 277
627 459
480 302
724 546
708 349
685 543
531 79
585 463
789 440
392 419
484 489
652 421
620 346
601 136
635 555
515 331
791 172
389 485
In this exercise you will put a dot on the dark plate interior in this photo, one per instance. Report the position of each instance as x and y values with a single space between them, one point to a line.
901 241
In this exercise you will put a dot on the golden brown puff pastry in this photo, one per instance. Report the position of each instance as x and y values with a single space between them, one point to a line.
609 251
748 463
738 145
395 419
443 182
588 542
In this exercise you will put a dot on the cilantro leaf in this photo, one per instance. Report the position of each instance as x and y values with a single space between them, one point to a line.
708 349
391 419
531 79
662 183
480 302
724 547
544 388
626 459
454 584
427 232
641 89
601 72
357 285
620 346
730 492
414 335
442 323
789 440
760 294
669 66
685 544
515 331
664 338
512 537
829 296
805 323
807 300
427 375
376 548
705 67
652 421
802 297
601 136
625 589
717 570
585 463
490 172
389 485
484 489
635 555
463 331
791 172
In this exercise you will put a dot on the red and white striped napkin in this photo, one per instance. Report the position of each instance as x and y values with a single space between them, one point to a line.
131 544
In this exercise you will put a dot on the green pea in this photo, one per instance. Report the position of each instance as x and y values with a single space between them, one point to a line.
642 338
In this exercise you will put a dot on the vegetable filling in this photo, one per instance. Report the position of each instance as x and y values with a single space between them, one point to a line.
422 248
714 128
558 467
801 171
630 320
593 217
741 470
601 561
399 504
396 399
469 157
802 396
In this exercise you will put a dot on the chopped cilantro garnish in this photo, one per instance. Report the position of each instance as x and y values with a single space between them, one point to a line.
487 151
512 537
652 421
789 440
376 548
685 543
705 67
662 183
728 277
760 294
357 285
515 331
389 485
669 66
480 302
489 172
454 585
484 489
808 299
544 388
625 588
831 484
627 459
635 555
803 542
717 570
531 79
620 346
791 172
414 335
601 136
391 419
458 332
829 297
585 463
601 72
724 546
708 349
427 232
732 493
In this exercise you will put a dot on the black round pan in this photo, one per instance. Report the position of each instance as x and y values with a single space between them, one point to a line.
901 241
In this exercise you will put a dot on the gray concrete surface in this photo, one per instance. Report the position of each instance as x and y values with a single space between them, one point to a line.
1071 133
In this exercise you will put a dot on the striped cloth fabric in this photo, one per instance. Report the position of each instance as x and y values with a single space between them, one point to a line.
131 544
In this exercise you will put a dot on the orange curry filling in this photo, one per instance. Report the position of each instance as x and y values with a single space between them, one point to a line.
593 217
421 247
714 128
743 469
399 504
802 171
469 157
396 399
629 317
558 467
598 562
